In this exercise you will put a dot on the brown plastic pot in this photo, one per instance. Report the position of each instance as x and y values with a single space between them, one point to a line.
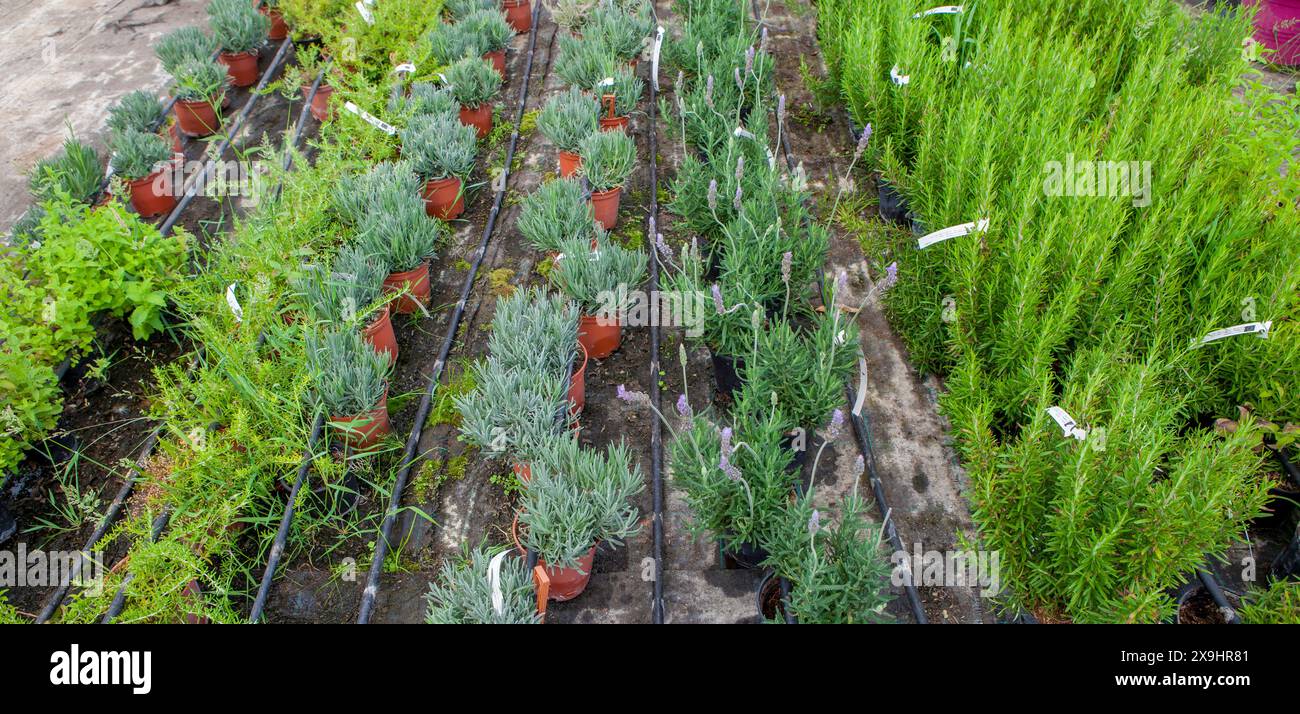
241 66
175 134
498 60
197 118
320 103
150 198
443 198
479 117
569 164
523 471
519 13
414 286
566 583
599 341
279 30
363 431
578 384
613 124
379 333
605 205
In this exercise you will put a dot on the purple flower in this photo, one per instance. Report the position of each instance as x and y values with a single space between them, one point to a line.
787 262
726 441
891 276
662 246
633 397
740 168
729 468
735 200
862 142
713 195
718 305
815 522
837 423
860 464
683 406
740 83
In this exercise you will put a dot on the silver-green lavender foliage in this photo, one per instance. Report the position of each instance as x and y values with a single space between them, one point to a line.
449 43
136 154
76 170
621 32
137 111
458 9
199 80
439 146
608 158
473 81
534 330
349 375
626 87
491 26
400 233
595 279
345 294
237 26
513 411
555 212
183 45
357 195
568 118
429 98
582 64
463 593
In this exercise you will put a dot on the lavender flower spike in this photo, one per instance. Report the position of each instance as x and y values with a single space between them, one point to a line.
740 167
787 263
726 440
862 142
815 522
837 424
662 246
683 406
718 305
735 200
713 195
891 276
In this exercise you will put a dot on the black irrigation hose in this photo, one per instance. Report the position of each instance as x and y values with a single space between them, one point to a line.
656 428
860 427
1287 465
426 402
119 599
1216 593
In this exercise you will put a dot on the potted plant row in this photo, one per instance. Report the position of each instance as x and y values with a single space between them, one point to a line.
566 120
608 159
240 31
351 381
441 150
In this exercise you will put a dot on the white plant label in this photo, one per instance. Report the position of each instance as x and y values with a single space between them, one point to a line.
494 580
898 77
654 57
405 68
233 302
371 119
1067 423
364 9
606 82
941 10
1250 328
950 232
862 387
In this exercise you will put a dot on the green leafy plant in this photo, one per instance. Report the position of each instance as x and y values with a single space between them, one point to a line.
346 293
491 26
459 9
556 212
465 591
1276 604
237 26
805 371
349 375
199 81
448 44
136 111
439 146
621 32
576 499
428 98
570 14
137 154
626 88
582 64
473 81
568 118
608 158
76 171
598 278
182 45
399 233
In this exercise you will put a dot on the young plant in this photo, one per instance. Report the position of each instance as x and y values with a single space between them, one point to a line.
345 294
237 26
569 118
199 80
626 89
555 213
806 371
137 111
439 146
534 329
570 14
467 588
576 499
460 9
582 64
399 233
350 376
598 279
137 154
358 196
491 26
622 33
429 98
473 81
836 566
75 171
608 158
185 44
450 43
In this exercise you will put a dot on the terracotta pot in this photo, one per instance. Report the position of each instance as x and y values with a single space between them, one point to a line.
279 30
149 199
566 583
599 341
320 103
523 471
443 198
479 117
519 14
569 164
578 384
605 205
498 60
613 124
177 146
197 118
1277 27
416 282
379 333
363 431
242 67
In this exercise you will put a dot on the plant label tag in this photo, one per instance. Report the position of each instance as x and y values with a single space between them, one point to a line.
364 9
494 582
233 302
862 387
1067 423
1261 329
654 57
371 119
940 236
898 77
941 10
405 68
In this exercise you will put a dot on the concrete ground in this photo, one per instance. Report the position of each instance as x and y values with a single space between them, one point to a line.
66 62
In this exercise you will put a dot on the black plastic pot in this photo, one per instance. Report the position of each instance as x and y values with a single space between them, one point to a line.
726 372
769 600
1280 512
798 463
893 207
1287 563
745 555
1195 599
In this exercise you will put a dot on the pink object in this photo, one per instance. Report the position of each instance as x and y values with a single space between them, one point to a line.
1277 27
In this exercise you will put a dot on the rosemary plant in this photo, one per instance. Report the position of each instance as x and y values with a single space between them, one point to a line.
577 498
467 587
608 158
349 375
473 81
237 26
554 213
600 279
136 111
185 44
439 146
568 118
137 154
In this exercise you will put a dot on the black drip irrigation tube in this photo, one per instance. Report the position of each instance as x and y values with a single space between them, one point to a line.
426 402
861 429
656 398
